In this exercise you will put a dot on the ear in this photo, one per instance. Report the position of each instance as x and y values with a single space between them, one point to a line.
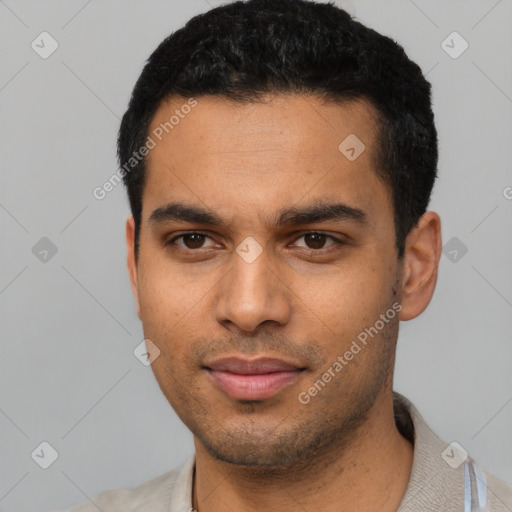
130 260
421 260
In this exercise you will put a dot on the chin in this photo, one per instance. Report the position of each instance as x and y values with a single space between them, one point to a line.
295 447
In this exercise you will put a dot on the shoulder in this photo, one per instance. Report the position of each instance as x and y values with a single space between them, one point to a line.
499 494
153 495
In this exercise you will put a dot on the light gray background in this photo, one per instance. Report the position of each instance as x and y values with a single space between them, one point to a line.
68 375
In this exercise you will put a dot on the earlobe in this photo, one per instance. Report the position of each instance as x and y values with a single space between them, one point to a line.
421 261
131 261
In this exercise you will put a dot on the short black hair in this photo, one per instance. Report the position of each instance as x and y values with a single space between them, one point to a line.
246 49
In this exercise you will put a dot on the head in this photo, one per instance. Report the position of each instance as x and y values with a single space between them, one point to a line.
279 210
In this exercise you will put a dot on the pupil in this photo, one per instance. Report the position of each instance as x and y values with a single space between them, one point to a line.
320 240
195 243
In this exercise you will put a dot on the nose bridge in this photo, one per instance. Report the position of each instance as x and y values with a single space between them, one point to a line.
251 293
252 276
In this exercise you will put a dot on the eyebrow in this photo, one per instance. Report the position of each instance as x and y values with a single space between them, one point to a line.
317 212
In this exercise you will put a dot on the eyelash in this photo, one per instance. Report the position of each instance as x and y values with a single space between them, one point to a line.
326 250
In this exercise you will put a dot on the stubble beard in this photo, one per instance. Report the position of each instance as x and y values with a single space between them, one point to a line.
309 434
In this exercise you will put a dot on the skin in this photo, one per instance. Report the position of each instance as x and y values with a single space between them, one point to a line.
199 300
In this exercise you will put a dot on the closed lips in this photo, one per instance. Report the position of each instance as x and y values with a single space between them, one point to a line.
254 367
256 379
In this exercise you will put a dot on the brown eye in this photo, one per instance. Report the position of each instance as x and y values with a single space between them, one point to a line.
190 241
193 241
315 241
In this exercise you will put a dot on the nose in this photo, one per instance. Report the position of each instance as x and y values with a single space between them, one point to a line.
252 293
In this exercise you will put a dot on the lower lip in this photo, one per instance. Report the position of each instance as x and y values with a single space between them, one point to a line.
253 387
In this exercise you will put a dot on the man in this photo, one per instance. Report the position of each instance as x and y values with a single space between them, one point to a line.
279 159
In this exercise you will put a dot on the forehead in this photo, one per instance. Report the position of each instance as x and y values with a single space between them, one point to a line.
278 151
221 125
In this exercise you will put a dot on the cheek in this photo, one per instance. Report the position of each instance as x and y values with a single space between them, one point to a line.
349 300
172 310
166 291
159 306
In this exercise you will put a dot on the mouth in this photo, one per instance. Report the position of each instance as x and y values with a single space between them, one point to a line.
255 379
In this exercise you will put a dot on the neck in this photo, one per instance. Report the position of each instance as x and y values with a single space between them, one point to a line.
371 472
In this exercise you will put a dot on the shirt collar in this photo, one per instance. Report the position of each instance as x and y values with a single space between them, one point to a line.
437 478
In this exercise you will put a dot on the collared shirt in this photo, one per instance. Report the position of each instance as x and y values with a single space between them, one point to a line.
444 478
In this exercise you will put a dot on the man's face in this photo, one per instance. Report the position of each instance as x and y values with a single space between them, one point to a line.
255 286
